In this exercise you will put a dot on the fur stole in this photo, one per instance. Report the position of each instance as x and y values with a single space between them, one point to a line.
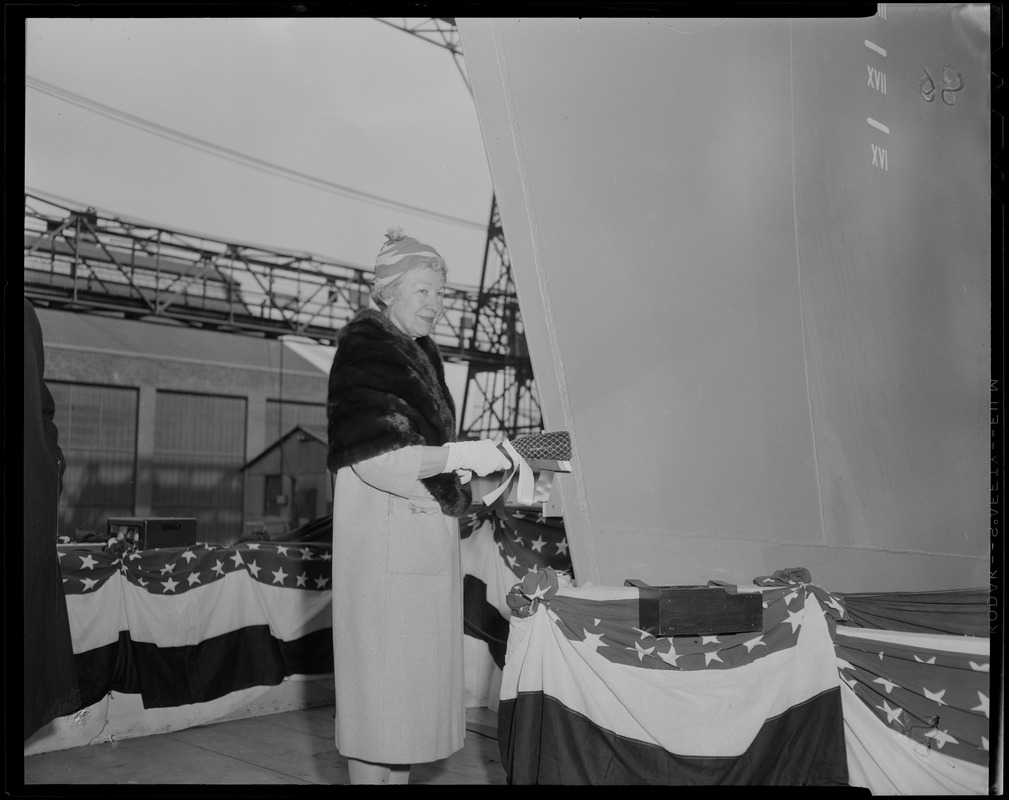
387 391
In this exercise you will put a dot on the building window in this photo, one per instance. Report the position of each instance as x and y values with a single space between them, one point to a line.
98 436
199 450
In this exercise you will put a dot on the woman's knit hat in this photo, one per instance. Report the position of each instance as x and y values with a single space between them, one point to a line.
400 253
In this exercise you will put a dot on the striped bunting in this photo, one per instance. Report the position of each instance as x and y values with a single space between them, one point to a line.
190 625
580 654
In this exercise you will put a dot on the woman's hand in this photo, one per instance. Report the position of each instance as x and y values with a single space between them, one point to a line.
482 457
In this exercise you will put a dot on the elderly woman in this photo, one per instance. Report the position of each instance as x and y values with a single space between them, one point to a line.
401 482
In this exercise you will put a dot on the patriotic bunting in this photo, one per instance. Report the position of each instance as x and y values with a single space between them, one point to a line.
581 654
173 570
527 541
500 545
192 624
960 612
933 690
587 696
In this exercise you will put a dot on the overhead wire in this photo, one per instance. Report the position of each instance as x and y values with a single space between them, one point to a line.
235 156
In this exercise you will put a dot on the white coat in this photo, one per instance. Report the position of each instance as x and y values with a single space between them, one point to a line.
397 615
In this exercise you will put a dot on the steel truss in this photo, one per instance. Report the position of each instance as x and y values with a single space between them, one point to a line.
83 260
506 391
86 261
437 30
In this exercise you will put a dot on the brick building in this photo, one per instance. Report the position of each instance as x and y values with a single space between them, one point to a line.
158 419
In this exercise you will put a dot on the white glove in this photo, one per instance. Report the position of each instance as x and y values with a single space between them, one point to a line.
465 475
481 456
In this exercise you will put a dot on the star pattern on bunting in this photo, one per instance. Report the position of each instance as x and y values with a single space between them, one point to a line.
892 714
594 640
539 592
888 685
670 656
908 688
940 737
527 543
833 603
178 570
749 644
630 644
935 696
905 685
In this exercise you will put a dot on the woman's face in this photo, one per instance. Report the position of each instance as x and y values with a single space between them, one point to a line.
418 301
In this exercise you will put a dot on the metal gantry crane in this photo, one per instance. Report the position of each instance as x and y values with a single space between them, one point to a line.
80 259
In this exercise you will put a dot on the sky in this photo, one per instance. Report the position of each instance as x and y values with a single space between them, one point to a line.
351 101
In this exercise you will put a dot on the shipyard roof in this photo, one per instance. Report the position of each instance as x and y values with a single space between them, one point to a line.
316 433
115 336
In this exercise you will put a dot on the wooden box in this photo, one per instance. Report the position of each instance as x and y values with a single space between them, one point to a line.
697 610
149 533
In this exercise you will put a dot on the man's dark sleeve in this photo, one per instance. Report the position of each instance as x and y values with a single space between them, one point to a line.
50 433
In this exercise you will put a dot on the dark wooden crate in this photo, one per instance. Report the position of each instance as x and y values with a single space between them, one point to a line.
154 532
696 610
